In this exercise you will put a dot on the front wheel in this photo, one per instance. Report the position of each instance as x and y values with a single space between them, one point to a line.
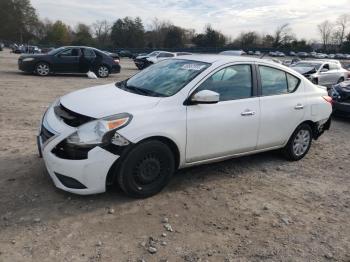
102 71
146 169
42 69
299 143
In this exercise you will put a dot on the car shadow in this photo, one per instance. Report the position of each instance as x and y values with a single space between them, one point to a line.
27 189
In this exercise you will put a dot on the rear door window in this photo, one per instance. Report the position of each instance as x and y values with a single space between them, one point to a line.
89 53
277 82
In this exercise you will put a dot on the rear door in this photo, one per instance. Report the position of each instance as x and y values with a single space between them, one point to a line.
67 61
282 104
325 78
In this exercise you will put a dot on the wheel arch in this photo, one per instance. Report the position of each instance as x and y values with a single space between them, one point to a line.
111 176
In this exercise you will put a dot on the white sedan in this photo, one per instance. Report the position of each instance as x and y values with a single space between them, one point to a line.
178 113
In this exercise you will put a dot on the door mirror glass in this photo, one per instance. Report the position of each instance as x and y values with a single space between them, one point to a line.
205 97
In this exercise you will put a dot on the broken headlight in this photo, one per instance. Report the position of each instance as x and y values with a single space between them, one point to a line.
101 132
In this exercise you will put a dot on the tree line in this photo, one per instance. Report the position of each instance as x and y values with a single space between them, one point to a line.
20 23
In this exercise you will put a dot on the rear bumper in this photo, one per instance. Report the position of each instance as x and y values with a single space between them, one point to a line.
115 69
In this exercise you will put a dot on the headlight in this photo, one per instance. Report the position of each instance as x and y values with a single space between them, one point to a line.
28 59
100 132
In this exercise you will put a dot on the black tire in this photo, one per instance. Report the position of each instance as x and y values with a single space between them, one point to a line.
146 169
298 140
42 69
102 71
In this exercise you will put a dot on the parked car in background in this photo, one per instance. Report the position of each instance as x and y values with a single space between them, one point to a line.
271 53
331 56
178 113
290 62
341 98
312 54
257 53
339 56
250 52
302 54
324 73
2 46
70 59
125 53
347 56
321 55
233 52
142 62
291 53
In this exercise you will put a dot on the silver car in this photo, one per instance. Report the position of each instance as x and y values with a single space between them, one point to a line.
322 72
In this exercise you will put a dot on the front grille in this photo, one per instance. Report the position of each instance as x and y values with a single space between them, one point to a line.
45 134
71 118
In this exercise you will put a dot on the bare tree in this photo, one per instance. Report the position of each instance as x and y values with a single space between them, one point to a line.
325 29
102 30
342 23
283 35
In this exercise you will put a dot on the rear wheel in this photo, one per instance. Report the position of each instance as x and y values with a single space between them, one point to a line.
42 69
299 143
146 169
102 71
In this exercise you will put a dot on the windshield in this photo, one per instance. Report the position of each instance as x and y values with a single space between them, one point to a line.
164 78
153 53
315 65
55 51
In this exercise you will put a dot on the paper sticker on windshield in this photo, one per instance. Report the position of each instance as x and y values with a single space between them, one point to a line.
195 67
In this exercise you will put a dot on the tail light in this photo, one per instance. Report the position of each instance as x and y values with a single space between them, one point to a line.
117 61
328 99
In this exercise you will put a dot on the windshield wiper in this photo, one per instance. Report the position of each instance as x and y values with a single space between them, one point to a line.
123 85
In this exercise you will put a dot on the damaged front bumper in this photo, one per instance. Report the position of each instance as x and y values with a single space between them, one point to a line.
78 175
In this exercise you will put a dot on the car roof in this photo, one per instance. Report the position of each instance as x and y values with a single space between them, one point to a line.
220 58
320 61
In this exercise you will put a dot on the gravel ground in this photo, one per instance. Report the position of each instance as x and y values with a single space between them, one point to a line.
256 208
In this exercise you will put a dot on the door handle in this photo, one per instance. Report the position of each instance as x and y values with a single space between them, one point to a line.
248 113
299 107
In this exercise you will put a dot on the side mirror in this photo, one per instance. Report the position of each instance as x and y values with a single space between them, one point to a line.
323 70
205 97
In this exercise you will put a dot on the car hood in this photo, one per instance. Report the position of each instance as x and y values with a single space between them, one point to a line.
304 70
31 56
106 100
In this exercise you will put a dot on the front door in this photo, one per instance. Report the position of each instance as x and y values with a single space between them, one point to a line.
67 61
229 126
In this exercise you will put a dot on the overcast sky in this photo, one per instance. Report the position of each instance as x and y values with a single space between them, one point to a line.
228 16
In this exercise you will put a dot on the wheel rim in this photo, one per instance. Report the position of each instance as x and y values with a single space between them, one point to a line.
103 71
301 142
43 69
148 170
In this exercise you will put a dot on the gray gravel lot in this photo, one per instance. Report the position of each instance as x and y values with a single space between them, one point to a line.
256 208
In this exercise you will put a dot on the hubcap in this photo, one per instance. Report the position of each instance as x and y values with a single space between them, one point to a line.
301 142
148 170
43 69
103 71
